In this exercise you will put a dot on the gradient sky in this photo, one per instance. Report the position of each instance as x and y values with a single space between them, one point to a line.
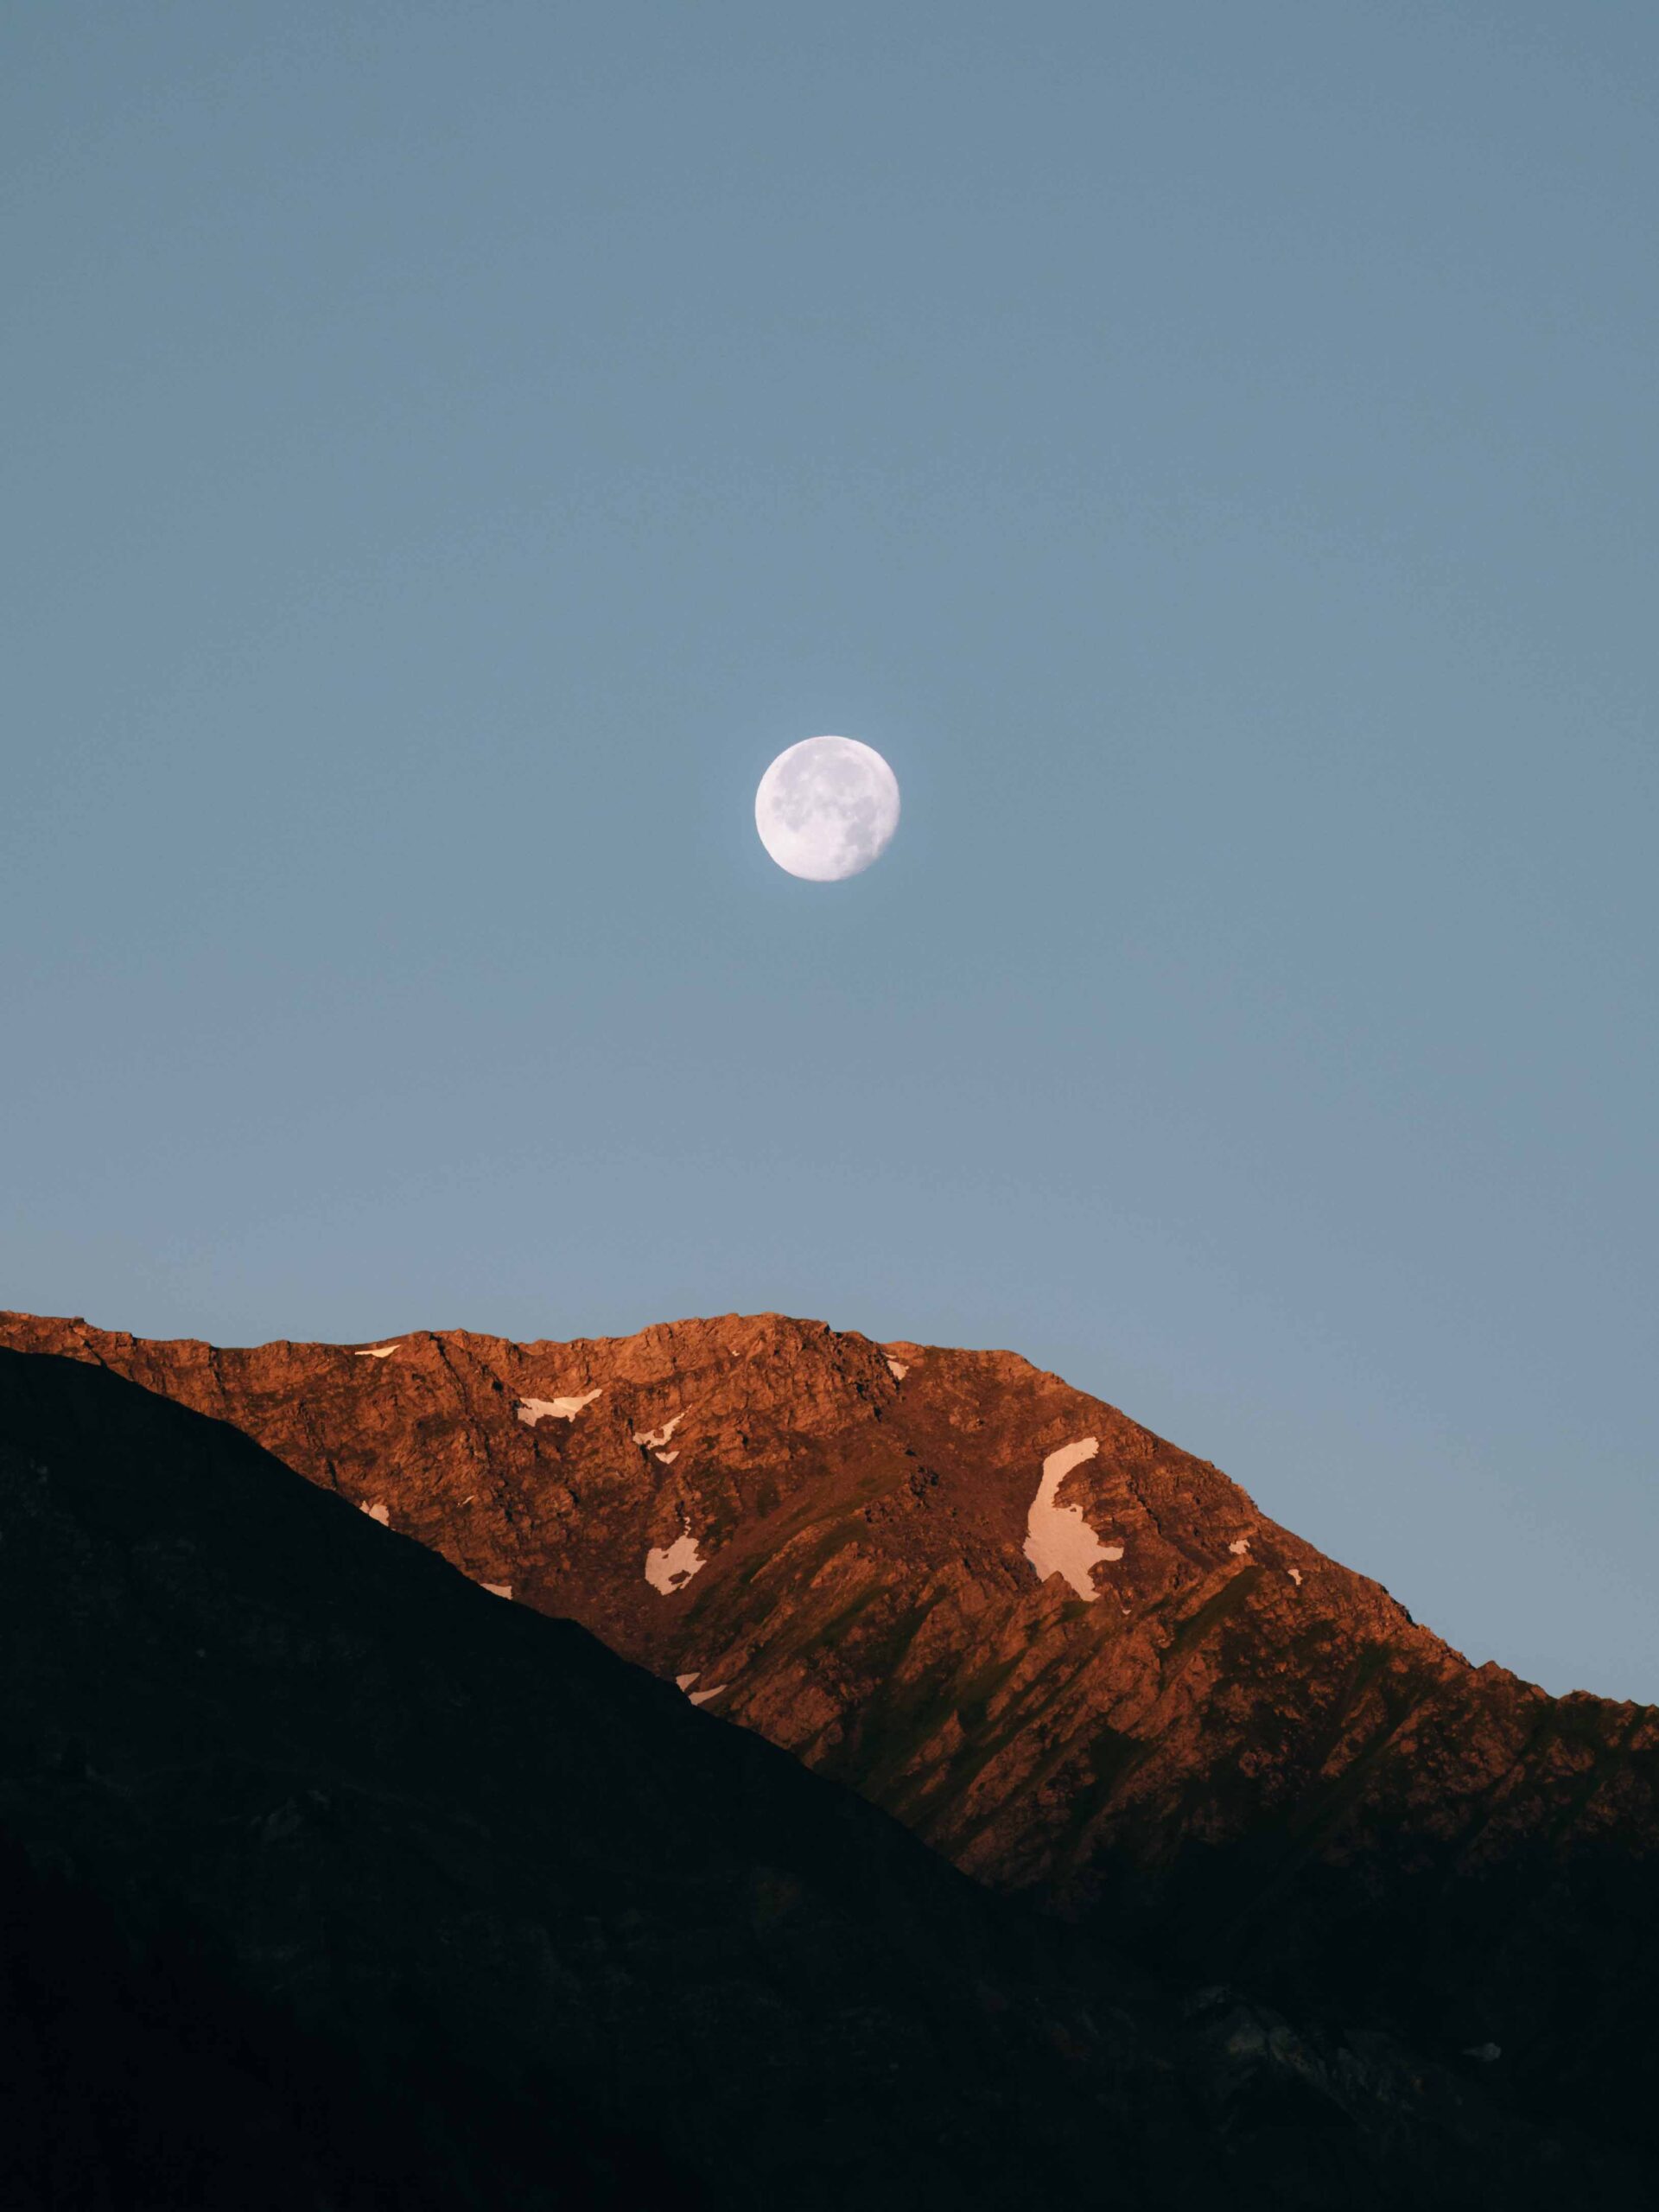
1209 450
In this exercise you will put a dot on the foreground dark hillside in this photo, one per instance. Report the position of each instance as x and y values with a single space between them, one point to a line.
331 1880
1210 1743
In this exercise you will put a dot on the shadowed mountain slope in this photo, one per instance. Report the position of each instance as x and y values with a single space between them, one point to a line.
1197 1735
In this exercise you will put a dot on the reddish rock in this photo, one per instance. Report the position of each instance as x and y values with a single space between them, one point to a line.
1237 1757
327 1882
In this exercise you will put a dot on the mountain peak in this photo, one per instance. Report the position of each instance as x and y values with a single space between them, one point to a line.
1075 1658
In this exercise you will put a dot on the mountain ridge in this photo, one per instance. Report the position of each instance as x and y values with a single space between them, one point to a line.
1237 1756
332 1882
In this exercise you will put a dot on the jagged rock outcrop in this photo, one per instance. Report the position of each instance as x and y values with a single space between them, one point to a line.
1197 1735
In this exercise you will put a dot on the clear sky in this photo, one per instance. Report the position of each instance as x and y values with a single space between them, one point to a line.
1209 450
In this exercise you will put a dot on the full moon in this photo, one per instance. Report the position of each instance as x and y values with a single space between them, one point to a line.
826 808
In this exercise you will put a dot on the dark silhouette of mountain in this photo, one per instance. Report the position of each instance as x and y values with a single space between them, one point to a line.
1231 1758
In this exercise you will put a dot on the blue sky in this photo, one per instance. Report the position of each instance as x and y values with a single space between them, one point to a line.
1210 452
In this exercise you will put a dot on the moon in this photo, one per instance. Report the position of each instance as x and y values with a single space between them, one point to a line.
826 808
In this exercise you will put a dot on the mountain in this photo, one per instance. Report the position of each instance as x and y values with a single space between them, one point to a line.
1196 1737
332 1882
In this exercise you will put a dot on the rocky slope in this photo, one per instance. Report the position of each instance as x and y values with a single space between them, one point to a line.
1196 1735
330 1882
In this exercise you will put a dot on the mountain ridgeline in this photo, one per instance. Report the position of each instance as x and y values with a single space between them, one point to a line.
1065 1654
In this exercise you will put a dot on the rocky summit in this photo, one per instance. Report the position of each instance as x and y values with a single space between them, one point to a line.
1071 1658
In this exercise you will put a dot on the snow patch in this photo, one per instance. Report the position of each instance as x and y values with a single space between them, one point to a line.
497 1589
654 1439
702 1697
899 1369
667 1458
380 1351
1060 1540
377 1512
530 1410
1240 1545
1488 2053
1296 1574
684 1681
671 1570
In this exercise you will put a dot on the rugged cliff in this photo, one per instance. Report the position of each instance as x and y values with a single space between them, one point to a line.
1073 1658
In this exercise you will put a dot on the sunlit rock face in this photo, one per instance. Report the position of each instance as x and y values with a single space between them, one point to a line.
1218 1746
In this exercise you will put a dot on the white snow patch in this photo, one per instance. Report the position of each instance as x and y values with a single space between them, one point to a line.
1296 1574
684 1681
1060 1542
654 1439
1240 1545
377 1512
667 1458
380 1351
671 1570
1488 2053
530 1410
702 1697
899 1369
497 1589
